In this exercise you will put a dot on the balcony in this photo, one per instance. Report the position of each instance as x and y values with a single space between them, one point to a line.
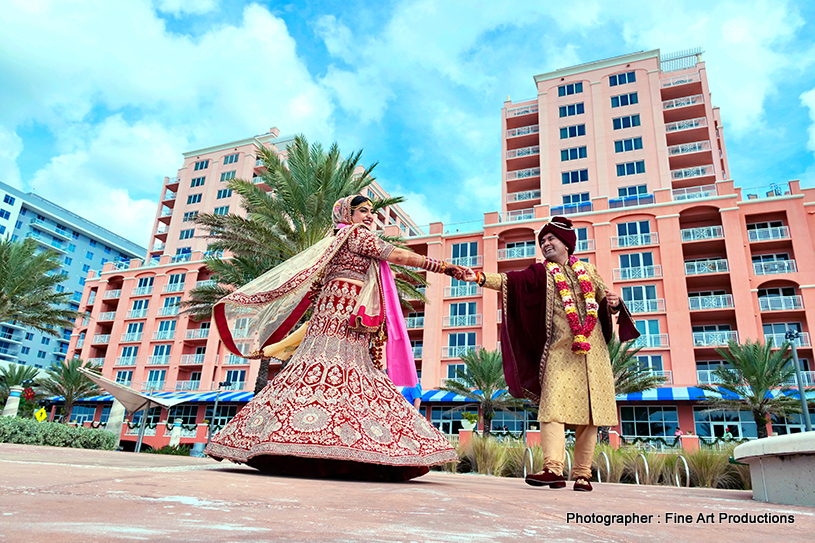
259 163
417 351
642 272
172 181
693 193
631 201
10 337
169 195
55 244
187 385
207 283
456 352
680 80
523 110
462 291
151 386
166 213
656 305
524 251
570 209
707 377
185 257
168 311
80 342
689 148
517 215
126 360
523 174
96 361
160 360
164 334
696 99
53 230
235 360
136 314
174 287
524 151
133 336
460 321
523 131
769 234
142 291
714 339
192 359
469 261
414 322
158 246
689 173
201 333
773 190
667 374
780 303
807 377
634 240
708 266
235 385
651 341
722 301
689 124
523 196
702 233
778 339
779 266
101 339
584 245
107 316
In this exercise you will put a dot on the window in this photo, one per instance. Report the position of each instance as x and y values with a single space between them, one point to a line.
29 336
765 225
77 296
82 413
626 122
45 341
177 280
190 216
18 224
621 79
222 416
631 144
75 235
40 354
85 268
145 282
571 88
223 210
89 255
139 305
649 327
237 378
187 413
634 228
201 165
650 421
8 199
635 190
226 176
465 254
187 234
155 380
25 350
575 177
4 214
630 168
71 247
639 293
172 301
2 229
574 153
23 211
231 159
59 288
131 351
92 242
197 182
573 199
624 100
460 343
135 327
776 292
463 309
104 261
636 260
571 110
68 260
124 377
224 193
567 132
166 326
194 198
107 249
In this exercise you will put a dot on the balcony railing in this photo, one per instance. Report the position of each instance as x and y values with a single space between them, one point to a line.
688 124
192 358
462 291
523 110
524 151
584 245
524 251
767 234
414 322
517 215
656 305
164 334
174 287
169 195
158 246
569 209
780 303
107 316
417 351
523 196
458 321
168 311
151 385
683 102
707 377
112 294
185 257
133 336
187 385
720 301
469 261
707 266
137 314
808 378
523 131
80 342
773 190
680 80
235 360
101 338
55 230
778 339
688 173
634 240
91 298
96 361
702 233
206 283
667 374
235 385
688 148
711 339
142 291
642 272
200 333
778 266
651 341
523 174
693 193
166 213
158 360
456 352
631 201
162 229
126 360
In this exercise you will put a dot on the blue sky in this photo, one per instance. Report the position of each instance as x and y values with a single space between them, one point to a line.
99 99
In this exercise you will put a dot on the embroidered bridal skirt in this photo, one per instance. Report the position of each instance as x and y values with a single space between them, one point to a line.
330 412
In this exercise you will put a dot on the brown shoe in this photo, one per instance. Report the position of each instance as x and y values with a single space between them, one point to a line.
546 477
581 484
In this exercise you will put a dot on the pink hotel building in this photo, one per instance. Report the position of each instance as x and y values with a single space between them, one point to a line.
630 148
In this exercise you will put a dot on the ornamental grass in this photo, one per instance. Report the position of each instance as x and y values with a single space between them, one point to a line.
484 455
712 469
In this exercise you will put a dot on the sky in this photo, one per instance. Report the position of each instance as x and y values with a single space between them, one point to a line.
100 98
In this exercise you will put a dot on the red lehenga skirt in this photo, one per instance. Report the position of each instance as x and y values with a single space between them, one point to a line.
330 413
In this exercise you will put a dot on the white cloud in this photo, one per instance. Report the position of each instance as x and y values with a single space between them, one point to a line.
10 148
183 7
808 100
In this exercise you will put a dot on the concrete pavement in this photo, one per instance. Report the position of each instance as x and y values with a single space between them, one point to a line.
65 495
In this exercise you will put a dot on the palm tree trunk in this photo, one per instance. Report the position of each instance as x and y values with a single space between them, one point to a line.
263 375
761 423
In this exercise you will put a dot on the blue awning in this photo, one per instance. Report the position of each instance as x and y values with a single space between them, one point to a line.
673 394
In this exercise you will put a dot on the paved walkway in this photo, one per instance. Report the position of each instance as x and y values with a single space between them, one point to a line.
64 495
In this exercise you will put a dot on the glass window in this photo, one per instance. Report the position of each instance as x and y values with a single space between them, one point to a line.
201 165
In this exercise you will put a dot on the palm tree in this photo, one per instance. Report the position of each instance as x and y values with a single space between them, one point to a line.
14 375
756 371
482 381
67 381
629 374
288 209
28 288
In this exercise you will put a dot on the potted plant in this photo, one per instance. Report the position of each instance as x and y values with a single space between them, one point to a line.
468 420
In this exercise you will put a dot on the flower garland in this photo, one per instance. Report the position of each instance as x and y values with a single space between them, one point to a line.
581 333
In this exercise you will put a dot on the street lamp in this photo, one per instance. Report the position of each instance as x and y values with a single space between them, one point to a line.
222 384
791 336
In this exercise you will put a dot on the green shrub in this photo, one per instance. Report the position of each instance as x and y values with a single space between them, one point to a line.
178 450
484 454
30 432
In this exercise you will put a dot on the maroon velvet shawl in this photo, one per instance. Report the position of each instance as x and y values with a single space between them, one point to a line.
524 329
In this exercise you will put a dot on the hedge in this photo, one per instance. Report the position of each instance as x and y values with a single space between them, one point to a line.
30 432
